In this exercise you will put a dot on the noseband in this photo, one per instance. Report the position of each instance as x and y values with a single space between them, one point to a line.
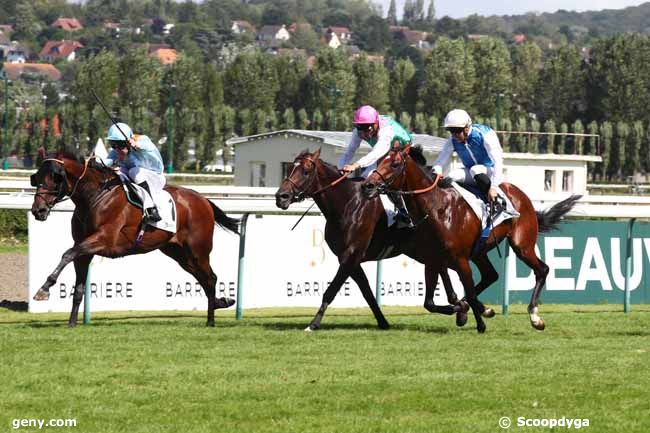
384 186
62 190
301 194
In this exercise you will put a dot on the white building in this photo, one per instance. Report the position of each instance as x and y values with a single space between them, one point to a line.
265 159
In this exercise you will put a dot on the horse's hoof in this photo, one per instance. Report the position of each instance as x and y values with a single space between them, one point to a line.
489 313
461 319
480 328
539 325
42 295
72 324
383 325
210 324
223 303
309 329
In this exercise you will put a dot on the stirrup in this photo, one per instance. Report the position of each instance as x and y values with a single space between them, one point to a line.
151 215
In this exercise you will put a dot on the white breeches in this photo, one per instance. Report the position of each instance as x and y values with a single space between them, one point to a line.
155 181
466 175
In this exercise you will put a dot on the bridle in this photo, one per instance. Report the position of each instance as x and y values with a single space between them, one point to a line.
62 189
385 186
299 194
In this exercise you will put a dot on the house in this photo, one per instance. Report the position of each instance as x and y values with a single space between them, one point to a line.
15 70
16 54
167 29
519 38
239 27
332 40
67 24
273 33
165 56
6 29
5 44
417 39
59 50
342 33
299 26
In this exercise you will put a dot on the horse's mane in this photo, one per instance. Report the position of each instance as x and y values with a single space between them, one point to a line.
96 164
417 154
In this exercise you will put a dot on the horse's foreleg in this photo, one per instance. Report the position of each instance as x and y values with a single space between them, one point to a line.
89 246
465 274
81 265
489 276
431 273
329 295
460 307
360 278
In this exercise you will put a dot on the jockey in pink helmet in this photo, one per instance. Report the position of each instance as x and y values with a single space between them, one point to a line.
380 133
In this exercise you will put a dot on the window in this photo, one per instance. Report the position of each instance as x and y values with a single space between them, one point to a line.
286 169
567 181
548 181
258 174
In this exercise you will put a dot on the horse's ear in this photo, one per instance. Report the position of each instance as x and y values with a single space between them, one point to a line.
316 154
407 149
40 156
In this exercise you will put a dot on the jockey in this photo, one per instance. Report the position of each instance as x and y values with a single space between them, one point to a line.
139 160
479 149
381 133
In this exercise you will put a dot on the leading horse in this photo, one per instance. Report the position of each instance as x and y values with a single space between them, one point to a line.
105 224
357 231
455 227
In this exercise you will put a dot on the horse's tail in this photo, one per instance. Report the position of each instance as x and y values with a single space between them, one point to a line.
548 219
223 220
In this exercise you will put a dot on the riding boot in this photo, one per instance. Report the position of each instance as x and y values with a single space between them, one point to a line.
150 214
402 216
484 183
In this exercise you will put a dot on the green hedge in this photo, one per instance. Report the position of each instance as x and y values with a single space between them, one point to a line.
13 225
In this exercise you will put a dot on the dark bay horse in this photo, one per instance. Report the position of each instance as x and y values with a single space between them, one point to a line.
357 231
105 224
455 227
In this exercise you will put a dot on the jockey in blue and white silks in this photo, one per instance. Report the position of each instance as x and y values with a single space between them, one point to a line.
139 160
479 149
381 133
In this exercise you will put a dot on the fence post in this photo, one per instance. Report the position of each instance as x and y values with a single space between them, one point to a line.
378 282
506 288
240 272
87 296
628 266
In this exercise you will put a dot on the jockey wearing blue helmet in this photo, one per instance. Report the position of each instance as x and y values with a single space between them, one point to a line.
139 160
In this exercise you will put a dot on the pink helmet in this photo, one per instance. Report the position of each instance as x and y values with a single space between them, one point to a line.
365 115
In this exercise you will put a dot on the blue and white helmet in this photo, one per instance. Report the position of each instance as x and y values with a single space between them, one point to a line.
115 134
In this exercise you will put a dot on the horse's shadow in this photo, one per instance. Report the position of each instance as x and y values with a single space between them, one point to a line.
293 326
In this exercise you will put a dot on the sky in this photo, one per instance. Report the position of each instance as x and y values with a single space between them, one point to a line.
461 9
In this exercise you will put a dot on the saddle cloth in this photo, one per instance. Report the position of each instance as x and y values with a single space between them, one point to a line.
481 208
163 201
389 208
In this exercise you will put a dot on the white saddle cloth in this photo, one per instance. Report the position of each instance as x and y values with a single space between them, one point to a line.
389 208
480 208
165 204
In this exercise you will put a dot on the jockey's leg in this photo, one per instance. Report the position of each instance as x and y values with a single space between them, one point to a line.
403 217
144 178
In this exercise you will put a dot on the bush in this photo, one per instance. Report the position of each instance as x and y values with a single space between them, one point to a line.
13 224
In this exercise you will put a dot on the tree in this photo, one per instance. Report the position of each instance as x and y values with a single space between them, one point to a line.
526 64
402 86
317 120
305 38
578 141
139 78
405 120
449 78
26 25
210 132
288 119
392 14
372 84
245 121
533 143
492 74
291 73
548 145
617 150
252 82
420 123
431 13
561 142
645 151
606 134
433 126
303 119
374 35
632 163
561 86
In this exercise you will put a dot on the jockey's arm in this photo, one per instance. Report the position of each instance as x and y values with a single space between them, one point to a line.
384 141
494 150
353 145
443 157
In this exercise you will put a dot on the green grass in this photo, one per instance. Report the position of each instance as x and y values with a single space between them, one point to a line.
166 372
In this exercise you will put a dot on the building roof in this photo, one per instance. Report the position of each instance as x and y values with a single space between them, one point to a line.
166 56
15 70
270 30
59 49
6 28
338 30
245 25
67 24
337 138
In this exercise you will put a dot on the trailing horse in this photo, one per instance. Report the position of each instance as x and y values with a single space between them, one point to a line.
105 224
454 228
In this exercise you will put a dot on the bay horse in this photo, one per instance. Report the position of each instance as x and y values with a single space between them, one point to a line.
357 231
455 228
105 224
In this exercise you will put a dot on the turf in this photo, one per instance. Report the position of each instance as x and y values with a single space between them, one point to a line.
166 372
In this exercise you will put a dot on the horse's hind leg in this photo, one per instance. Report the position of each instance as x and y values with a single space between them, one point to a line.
200 268
360 278
81 265
528 256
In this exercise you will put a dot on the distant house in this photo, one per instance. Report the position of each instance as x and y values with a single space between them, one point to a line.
519 38
299 26
476 37
6 29
67 24
241 26
15 70
273 33
5 44
342 33
417 39
167 29
332 40
16 54
165 56
59 50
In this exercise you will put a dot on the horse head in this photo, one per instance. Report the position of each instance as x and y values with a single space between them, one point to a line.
301 181
389 174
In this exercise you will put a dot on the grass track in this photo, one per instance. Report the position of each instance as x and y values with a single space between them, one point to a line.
166 372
